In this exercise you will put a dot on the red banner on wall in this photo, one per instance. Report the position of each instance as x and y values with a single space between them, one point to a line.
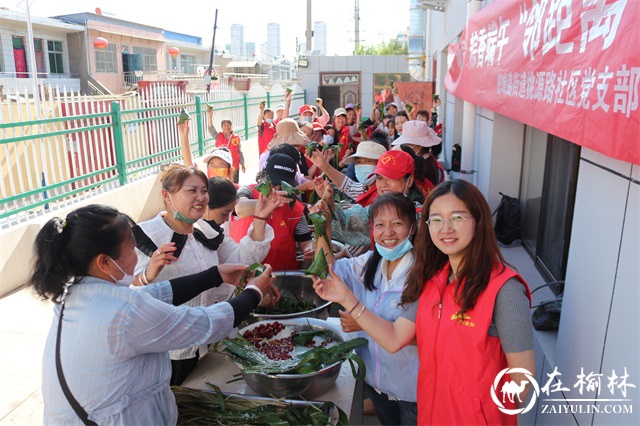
568 67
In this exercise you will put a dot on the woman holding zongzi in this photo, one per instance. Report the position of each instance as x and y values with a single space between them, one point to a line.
378 279
186 244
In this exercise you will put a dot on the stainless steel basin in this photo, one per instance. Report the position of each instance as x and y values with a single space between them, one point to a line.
295 284
308 386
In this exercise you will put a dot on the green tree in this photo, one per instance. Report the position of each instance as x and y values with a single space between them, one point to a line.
393 47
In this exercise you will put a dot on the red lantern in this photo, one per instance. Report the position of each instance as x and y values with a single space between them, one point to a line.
174 51
100 43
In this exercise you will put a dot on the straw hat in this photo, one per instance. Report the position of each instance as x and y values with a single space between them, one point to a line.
287 131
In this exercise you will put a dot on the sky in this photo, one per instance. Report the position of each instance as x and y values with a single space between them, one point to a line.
379 20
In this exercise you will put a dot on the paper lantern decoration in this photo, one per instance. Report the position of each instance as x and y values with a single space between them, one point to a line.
174 51
100 43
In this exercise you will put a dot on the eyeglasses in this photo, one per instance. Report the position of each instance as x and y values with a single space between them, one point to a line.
455 222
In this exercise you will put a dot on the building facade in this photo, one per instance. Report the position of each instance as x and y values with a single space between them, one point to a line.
273 41
237 41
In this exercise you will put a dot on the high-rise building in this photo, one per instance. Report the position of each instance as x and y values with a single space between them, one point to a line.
237 40
273 40
320 37
250 49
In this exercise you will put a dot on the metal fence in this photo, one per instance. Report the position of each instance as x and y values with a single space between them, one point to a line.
57 147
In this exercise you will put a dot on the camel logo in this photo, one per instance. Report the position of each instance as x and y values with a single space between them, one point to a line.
512 391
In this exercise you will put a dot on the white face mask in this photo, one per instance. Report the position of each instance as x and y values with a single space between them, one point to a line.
126 279
269 120
306 119
364 170
327 139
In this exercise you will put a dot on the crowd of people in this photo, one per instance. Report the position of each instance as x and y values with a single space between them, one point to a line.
421 275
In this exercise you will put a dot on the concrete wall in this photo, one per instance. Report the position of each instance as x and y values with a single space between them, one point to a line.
599 328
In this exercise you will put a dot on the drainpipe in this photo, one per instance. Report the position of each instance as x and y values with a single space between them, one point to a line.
469 112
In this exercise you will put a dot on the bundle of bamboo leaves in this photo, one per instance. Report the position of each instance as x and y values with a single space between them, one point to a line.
197 407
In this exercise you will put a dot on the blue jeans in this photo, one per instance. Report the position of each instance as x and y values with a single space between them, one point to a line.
391 412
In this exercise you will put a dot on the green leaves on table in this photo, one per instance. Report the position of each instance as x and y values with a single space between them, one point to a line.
184 116
301 338
264 187
198 407
319 267
253 361
287 305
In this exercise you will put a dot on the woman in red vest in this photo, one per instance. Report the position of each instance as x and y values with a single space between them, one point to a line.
467 310
227 139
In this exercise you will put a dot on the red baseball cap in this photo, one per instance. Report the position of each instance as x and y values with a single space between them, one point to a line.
306 108
317 127
394 165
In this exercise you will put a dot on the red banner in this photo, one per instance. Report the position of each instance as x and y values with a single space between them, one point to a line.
568 67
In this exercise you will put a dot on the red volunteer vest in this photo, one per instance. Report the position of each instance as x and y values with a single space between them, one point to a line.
234 146
344 138
265 134
458 359
282 254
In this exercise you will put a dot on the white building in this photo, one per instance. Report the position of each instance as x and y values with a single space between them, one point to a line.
237 40
273 41
320 37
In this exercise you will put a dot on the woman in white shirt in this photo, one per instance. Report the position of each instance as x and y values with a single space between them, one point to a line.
197 245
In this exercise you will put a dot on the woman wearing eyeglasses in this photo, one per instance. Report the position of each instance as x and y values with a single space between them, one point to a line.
472 316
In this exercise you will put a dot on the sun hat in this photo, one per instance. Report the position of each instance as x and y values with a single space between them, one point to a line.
222 153
349 106
419 133
394 165
279 168
305 108
392 104
340 111
366 149
287 131
280 107
317 127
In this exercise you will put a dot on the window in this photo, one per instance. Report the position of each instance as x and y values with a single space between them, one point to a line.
188 63
548 193
106 60
149 58
55 57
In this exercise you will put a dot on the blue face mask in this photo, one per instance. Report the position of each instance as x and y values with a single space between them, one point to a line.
362 171
397 252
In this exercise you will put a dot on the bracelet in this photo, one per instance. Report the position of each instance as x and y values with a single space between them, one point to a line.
143 277
260 218
254 287
354 307
361 311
